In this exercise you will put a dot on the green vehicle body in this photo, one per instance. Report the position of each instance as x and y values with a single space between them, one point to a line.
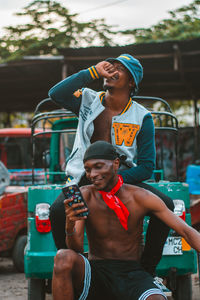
40 249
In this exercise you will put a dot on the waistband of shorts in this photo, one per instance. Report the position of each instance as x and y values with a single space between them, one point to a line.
117 263
116 260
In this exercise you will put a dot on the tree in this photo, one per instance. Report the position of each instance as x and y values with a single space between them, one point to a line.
184 23
51 26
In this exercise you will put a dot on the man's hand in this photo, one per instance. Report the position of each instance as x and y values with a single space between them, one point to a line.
106 69
72 213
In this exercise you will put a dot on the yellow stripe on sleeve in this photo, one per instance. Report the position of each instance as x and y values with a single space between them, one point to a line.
91 73
95 72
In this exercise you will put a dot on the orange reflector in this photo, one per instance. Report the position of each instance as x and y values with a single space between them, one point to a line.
185 245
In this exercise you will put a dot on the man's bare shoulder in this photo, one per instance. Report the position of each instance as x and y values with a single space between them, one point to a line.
137 192
88 190
135 189
144 198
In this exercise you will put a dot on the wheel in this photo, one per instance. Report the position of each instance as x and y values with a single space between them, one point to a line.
18 253
36 289
183 289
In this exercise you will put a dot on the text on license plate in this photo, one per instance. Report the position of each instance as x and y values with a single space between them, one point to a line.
173 246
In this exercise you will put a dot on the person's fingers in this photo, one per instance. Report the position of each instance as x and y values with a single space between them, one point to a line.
110 74
109 68
68 206
75 215
72 211
67 201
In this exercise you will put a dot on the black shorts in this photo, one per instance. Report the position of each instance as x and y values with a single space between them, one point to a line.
117 280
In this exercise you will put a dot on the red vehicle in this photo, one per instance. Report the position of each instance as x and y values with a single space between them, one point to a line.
16 151
15 154
13 224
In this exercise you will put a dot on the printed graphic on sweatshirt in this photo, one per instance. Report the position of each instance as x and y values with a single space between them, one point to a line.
84 112
126 133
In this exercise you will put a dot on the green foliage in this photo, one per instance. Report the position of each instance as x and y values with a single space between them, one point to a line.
184 23
51 26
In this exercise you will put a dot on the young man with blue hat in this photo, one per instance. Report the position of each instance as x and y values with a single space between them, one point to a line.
133 65
113 116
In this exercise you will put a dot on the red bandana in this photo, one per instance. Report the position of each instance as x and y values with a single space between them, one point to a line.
116 204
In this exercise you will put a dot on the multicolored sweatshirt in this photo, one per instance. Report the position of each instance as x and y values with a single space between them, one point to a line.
132 131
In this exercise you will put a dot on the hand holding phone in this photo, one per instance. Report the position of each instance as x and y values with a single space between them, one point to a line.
73 192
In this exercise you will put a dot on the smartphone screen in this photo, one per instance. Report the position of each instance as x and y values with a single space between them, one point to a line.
74 192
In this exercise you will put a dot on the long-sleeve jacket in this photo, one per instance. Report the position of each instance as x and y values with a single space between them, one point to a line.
132 131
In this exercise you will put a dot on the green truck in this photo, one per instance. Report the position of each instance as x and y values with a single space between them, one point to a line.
179 261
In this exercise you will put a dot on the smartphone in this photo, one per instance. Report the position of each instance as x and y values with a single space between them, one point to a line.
73 191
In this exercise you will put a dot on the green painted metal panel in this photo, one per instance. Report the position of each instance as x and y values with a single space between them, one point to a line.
42 194
39 242
175 190
186 263
39 265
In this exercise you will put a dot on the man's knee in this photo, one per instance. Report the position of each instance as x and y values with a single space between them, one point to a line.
64 261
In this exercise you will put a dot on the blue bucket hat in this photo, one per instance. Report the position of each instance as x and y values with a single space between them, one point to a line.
132 64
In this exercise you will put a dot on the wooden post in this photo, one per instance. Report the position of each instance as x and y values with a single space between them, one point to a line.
64 70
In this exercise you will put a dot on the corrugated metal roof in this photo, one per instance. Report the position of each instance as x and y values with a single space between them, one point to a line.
171 71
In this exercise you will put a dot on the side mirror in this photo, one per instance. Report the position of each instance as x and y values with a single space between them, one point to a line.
46 158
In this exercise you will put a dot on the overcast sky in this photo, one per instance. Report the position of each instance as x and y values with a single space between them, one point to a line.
124 14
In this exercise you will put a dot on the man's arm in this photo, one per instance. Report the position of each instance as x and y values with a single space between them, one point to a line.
146 154
157 207
74 226
67 93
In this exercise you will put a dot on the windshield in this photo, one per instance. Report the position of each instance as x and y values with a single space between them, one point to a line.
16 153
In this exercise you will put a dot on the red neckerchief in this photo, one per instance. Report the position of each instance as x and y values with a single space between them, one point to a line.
116 204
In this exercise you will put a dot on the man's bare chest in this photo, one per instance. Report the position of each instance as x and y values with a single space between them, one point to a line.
101 212
102 127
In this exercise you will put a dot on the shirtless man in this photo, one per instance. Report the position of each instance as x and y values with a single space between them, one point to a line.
113 116
114 229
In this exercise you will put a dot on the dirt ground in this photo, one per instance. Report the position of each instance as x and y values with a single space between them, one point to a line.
13 285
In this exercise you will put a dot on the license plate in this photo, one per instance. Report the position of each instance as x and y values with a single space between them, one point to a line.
173 246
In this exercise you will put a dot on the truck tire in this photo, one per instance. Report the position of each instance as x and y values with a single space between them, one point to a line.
36 289
18 253
183 288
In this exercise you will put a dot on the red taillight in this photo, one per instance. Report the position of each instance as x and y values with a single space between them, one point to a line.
42 221
179 209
